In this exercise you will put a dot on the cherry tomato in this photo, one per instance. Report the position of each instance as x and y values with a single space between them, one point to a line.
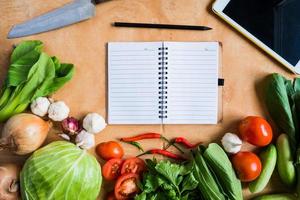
109 150
256 131
111 196
126 186
111 169
247 166
133 165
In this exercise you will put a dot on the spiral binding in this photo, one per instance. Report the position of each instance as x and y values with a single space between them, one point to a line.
163 82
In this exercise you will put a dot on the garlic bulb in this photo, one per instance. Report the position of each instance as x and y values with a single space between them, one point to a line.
231 143
85 140
40 106
58 111
94 123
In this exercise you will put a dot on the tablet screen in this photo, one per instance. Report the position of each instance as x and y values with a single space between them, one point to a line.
274 22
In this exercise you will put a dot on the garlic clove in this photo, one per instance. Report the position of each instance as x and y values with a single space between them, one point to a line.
94 123
58 111
40 106
231 143
85 140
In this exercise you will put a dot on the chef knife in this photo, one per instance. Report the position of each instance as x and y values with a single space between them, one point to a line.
71 13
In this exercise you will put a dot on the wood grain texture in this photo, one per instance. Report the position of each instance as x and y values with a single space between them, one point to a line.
84 44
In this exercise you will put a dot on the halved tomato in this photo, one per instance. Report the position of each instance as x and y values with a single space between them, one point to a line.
133 165
111 169
127 186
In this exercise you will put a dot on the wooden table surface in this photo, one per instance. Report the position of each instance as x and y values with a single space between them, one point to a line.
84 44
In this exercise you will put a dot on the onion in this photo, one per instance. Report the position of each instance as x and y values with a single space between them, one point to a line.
24 133
9 181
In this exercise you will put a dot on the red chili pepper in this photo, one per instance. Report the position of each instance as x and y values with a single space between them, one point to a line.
142 137
185 142
163 153
149 136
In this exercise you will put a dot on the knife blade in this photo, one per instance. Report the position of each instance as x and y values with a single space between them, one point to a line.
76 11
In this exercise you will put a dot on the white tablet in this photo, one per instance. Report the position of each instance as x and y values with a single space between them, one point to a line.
273 25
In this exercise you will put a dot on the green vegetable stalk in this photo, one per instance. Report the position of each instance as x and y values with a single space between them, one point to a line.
208 185
31 74
221 165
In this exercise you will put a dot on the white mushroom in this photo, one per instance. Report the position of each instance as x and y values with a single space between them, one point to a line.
94 123
58 111
40 106
231 143
85 140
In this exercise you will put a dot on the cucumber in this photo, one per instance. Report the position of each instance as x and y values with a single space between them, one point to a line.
285 165
276 197
268 158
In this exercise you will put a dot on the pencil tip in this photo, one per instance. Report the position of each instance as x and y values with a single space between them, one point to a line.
208 28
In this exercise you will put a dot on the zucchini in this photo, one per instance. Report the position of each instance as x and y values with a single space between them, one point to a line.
285 165
268 158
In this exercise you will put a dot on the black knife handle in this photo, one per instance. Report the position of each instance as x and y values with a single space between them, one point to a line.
98 1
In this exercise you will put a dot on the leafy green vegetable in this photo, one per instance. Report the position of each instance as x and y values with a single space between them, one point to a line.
222 167
207 184
31 74
277 89
60 170
166 180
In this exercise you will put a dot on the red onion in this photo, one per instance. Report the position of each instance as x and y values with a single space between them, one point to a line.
71 125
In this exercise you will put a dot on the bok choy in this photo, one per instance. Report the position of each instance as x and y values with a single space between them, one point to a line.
31 74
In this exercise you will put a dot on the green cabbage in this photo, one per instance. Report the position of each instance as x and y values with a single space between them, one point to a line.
58 171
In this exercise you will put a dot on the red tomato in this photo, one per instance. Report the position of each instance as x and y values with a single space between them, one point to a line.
256 131
109 150
133 165
111 196
111 169
126 186
247 166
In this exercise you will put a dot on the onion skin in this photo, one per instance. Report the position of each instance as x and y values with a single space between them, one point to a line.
9 182
24 133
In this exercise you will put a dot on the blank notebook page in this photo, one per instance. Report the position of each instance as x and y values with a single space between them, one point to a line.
133 83
192 82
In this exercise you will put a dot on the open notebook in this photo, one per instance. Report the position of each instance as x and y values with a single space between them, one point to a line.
163 82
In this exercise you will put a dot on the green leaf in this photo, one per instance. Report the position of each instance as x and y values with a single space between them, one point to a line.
152 183
24 48
169 170
23 58
52 84
142 196
189 183
38 75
